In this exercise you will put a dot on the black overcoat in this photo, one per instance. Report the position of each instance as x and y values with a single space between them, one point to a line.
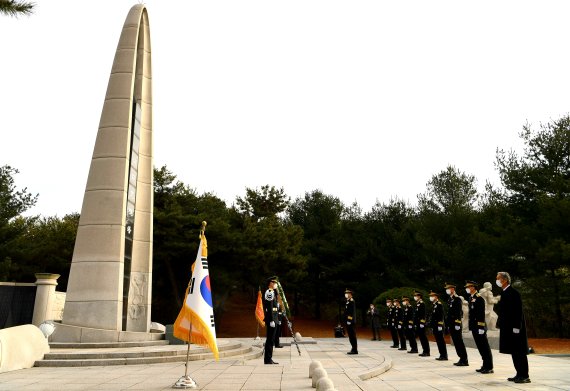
511 317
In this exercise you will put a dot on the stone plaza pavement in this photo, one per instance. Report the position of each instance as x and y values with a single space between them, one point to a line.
377 367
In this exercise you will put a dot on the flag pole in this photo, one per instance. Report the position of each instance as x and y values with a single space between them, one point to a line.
186 381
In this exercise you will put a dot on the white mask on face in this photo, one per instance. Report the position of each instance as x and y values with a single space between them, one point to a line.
346 295
499 283
448 291
432 298
416 298
406 303
388 304
468 290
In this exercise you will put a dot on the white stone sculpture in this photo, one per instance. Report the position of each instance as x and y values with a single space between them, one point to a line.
490 316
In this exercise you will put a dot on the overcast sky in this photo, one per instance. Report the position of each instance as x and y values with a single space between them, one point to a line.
365 100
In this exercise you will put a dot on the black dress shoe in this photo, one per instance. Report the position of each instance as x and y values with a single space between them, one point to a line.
393 346
461 364
512 378
413 351
273 362
403 349
352 352
278 347
423 354
522 380
479 370
441 359
486 371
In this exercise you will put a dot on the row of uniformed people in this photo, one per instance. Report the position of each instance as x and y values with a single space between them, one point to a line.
406 322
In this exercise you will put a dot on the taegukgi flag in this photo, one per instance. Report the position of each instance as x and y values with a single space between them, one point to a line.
195 322
259 314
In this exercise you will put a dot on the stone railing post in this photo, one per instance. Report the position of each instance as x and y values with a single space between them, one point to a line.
45 295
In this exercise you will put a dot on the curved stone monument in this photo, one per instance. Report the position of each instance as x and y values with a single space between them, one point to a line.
109 288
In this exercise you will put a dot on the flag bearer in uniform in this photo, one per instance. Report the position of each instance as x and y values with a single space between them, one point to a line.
270 312
350 319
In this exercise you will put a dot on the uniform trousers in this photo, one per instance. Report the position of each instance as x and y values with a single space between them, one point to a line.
457 339
402 337
484 349
394 333
421 332
269 338
352 337
440 342
411 337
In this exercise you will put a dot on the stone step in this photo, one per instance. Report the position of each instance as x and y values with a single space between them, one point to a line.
162 351
101 345
240 352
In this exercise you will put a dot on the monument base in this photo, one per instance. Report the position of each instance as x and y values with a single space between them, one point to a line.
77 334
492 337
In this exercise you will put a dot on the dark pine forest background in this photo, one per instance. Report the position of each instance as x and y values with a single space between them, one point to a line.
318 246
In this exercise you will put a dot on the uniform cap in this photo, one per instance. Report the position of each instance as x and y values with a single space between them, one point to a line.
449 285
417 293
272 279
347 291
432 293
396 299
388 299
404 298
471 283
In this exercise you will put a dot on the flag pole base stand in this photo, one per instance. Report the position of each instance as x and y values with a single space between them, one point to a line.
185 382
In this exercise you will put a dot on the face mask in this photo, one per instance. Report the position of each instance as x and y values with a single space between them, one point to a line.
406 303
448 291
432 298
499 284
371 307
388 304
468 291
346 295
416 298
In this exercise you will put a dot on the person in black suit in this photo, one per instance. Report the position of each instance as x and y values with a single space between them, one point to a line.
437 325
270 318
374 322
512 337
454 317
478 326
350 319
421 323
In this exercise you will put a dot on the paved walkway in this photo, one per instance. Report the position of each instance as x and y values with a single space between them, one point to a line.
405 372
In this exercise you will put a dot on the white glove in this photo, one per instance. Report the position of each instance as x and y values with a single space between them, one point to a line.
516 331
409 327
348 323
279 323
399 326
481 331
439 328
421 326
457 327
272 324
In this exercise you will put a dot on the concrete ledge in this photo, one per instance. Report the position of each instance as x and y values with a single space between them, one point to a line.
380 369
21 347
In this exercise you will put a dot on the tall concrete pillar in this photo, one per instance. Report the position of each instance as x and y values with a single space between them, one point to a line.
45 296
109 284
